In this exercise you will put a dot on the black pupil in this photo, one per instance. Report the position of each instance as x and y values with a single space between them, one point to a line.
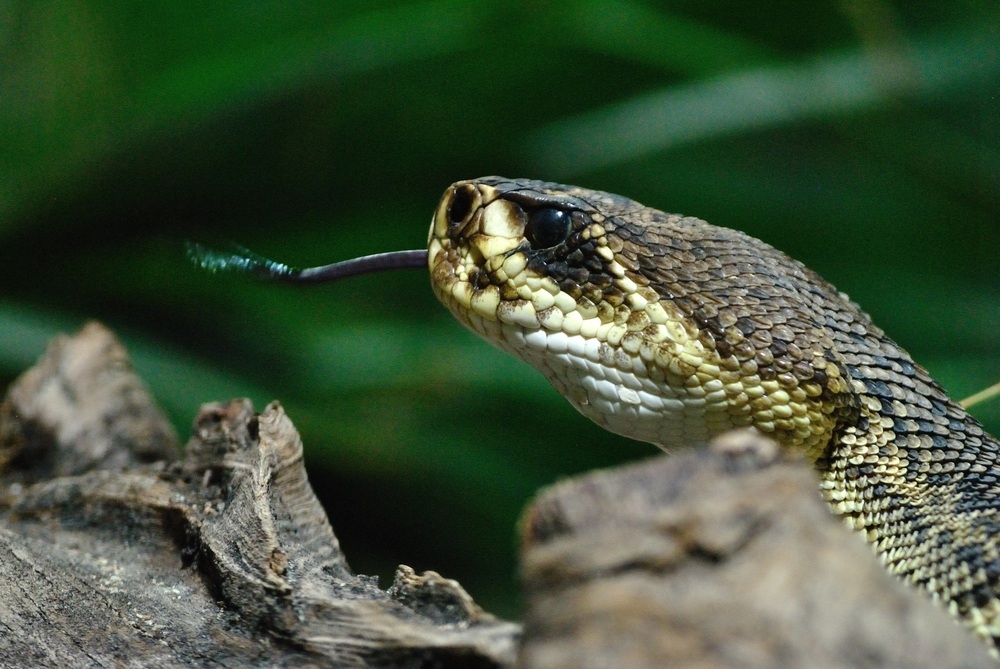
547 227
461 203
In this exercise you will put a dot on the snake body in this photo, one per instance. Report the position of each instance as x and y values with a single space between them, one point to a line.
669 330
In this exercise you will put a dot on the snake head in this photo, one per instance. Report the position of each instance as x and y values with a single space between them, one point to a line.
530 255
656 326
534 268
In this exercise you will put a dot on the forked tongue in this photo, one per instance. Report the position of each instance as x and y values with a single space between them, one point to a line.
244 261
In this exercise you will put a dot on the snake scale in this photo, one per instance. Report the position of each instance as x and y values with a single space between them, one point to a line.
669 330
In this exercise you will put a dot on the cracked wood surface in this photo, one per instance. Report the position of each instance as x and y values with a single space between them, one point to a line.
223 556
118 548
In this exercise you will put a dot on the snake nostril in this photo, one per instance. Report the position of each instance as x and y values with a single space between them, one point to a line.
461 204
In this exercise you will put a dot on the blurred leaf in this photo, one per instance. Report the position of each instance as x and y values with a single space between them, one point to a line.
90 90
645 35
834 84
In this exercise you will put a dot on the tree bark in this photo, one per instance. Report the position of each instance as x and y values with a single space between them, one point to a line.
117 548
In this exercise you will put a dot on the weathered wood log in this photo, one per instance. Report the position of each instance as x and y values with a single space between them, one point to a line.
725 557
222 557
116 549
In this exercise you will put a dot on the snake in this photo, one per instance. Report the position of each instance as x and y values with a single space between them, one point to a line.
666 329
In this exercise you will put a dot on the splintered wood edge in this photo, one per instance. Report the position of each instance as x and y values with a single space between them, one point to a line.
241 520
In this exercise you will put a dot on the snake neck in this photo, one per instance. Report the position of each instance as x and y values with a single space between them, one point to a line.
920 478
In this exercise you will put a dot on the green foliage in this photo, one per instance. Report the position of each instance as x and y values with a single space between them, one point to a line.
860 137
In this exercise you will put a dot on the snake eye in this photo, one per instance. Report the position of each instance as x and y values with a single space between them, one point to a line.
461 204
547 227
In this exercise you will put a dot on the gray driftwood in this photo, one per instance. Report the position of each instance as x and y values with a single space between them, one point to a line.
117 548
222 557
726 557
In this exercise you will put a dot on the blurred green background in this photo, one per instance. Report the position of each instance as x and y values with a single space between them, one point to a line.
862 138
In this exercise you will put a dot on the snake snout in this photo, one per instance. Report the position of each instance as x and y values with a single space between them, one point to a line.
473 232
460 209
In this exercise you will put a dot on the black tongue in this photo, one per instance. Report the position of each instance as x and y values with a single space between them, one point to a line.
245 261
